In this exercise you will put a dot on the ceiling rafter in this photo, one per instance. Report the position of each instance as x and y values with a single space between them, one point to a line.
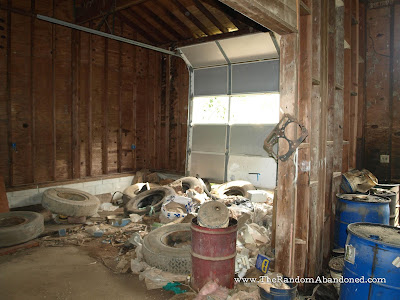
98 9
210 16
175 19
211 38
226 10
139 30
191 17
161 22
148 26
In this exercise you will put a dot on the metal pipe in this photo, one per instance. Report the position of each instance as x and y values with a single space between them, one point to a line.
106 35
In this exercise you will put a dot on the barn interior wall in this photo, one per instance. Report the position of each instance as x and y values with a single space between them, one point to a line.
76 106
382 106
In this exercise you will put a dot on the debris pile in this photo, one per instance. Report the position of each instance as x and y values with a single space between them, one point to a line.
149 223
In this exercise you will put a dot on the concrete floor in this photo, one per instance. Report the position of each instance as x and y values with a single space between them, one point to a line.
67 273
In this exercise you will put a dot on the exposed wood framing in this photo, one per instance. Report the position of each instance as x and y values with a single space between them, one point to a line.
210 16
278 15
286 204
191 17
81 96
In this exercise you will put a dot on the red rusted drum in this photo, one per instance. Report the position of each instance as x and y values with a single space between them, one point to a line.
213 254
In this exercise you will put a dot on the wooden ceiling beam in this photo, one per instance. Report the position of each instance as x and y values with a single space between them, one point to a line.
175 19
191 17
231 14
161 22
139 30
99 8
194 41
277 15
210 16
148 26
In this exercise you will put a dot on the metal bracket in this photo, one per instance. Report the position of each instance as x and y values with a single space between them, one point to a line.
279 132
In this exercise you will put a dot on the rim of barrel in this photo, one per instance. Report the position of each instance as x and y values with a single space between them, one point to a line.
380 192
351 228
232 223
363 198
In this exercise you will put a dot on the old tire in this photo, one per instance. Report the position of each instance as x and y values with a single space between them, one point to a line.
189 183
70 202
142 203
158 250
18 227
237 188
134 190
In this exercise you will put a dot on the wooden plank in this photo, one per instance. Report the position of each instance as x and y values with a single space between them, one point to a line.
3 197
210 16
5 99
378 114
331 90
315 136
96 9
304 9
303 189
42 80
33 99
162 23
276 15
63 95
395 153
20 97
354 83
191 17
148 28
149 37
176 21
75 62
285 210
105 107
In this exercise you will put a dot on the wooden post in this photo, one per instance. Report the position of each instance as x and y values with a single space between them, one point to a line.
286 203
304 104
3 197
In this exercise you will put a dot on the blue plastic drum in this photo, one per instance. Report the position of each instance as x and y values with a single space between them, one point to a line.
352 208
372 254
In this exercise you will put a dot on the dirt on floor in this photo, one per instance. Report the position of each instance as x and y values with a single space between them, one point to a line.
67 273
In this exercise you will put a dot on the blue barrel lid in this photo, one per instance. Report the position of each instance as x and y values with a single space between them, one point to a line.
377 233
363 198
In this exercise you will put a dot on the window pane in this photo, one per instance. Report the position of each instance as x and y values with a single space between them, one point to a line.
255 109
213 110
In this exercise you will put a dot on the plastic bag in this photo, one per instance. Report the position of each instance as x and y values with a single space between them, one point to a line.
155 278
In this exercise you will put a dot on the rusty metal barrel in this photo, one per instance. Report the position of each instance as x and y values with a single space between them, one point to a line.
213 254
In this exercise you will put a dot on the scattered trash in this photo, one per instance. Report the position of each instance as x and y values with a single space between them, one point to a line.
155 278
135 218
138 266
174 287
177 207
120 222
242 295
358 181
272 280
107 206
94 231
263 263
212 290
77 220
258 196
213 214
136 239
62 232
